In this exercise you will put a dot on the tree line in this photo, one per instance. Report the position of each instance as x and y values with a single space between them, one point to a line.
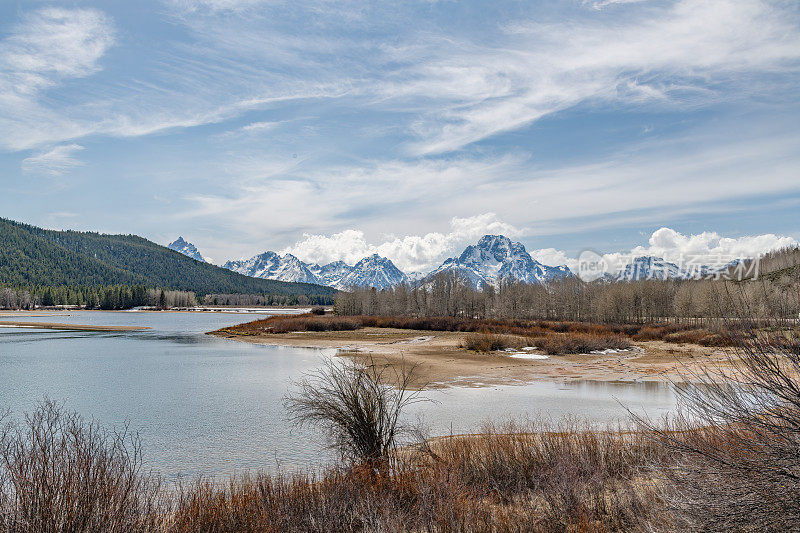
128 296
107 297
31 256
575 300
245 300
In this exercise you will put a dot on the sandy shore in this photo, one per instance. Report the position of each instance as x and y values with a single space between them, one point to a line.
68 327
440 362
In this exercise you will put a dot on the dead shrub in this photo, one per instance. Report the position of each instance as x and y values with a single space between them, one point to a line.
354 406
575 343
736 439
61 473
488 342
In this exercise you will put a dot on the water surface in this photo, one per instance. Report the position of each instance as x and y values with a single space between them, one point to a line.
204 405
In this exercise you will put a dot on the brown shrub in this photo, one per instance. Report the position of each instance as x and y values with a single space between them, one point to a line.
569 343
513 478
61 473
489 342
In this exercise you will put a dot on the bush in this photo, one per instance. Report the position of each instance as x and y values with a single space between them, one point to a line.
488 342
736 439
61 473
358 410
317 310
571 343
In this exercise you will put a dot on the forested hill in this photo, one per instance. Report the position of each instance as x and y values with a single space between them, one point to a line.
35 256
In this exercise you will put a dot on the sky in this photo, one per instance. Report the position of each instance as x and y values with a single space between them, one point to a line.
333 129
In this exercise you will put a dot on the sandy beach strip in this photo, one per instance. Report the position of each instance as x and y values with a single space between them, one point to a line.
66 327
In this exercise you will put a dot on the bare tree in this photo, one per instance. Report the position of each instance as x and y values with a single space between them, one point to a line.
357 407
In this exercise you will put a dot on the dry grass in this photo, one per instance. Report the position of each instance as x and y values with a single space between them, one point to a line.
572 343
505 479
60 473
560 337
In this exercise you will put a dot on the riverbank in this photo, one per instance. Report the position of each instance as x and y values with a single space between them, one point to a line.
65 327
440 361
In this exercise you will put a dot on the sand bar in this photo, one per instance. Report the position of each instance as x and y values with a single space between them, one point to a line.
441 362
67 327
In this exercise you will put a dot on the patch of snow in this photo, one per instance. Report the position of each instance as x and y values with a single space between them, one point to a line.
527 355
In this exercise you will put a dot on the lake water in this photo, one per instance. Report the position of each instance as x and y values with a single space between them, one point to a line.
204 405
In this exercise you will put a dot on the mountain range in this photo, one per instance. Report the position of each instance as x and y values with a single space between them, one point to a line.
496 258
649 267
492 259
372 271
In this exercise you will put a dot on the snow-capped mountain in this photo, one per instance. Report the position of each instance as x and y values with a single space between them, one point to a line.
186 248
496 258
373 271
649 267
332 274
270 265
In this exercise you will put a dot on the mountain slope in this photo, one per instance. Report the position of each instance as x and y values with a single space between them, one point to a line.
35 256
496 258
186 248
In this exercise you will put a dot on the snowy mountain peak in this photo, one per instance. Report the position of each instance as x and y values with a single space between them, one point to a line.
495 258
186 248
498 246
372 271
270 265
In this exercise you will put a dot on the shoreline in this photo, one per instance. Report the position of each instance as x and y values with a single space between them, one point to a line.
11 313
66 327
439 362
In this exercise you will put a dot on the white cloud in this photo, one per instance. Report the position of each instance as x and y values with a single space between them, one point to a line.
600 4
664 56
410 253
53 162
695 175
215 5
50 45
260 126
671 245
689 251
552 257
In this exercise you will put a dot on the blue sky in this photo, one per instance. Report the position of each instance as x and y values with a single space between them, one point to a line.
332 129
